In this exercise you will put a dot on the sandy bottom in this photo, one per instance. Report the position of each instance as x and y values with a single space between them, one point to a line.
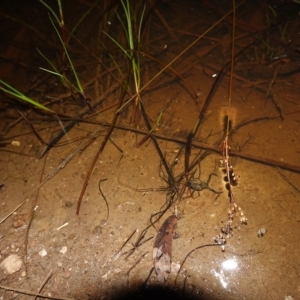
105 252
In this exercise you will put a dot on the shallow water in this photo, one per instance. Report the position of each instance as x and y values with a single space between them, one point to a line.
106 258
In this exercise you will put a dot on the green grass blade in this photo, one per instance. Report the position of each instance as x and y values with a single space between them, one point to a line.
83 17
52 12
122 24
79 87
53 72
17 94
62 23
118 44
129 24
140 25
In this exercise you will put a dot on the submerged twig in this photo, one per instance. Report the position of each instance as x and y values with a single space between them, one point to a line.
135 264
287 180
71 123
101 180
100 150
188 150
44 282
138 242
26 292
171 179
32 127
125 243
186 257
272 95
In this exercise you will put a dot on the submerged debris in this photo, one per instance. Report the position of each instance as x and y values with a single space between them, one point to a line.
261 232
162 248
19 220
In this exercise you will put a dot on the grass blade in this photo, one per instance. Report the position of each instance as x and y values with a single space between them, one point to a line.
17 94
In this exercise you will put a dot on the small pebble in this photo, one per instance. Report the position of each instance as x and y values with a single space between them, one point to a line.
72 236
16 143
261 232
19 220
43 253
63 250
97 230
11 264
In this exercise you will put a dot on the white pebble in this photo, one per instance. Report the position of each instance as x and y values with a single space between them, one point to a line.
63 250
16 143
43 253
11 264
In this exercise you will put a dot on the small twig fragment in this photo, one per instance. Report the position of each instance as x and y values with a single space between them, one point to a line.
106 203
26 292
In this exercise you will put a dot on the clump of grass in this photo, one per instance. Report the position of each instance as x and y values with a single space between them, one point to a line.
131 51
63 40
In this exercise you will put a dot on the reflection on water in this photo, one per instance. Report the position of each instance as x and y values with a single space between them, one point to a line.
222 272
230 264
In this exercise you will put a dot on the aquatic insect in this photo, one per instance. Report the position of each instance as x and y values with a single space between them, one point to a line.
197 185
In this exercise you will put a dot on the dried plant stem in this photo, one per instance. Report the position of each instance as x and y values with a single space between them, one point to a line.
192 251
216 149
26 292
100 150
71 123
234 209
44 283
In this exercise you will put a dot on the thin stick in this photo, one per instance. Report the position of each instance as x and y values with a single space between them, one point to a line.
228 121
68 126
12 211
186 257
101 180
188 150
26 292
32 128
100 150
135 264
216 149
125 242
171 179
231 69
43 283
